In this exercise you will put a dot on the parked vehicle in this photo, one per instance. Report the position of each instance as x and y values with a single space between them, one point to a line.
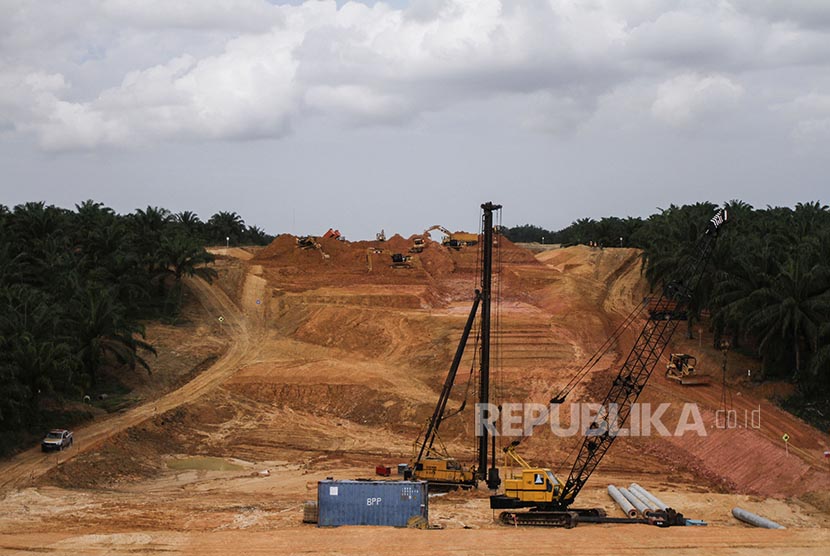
56 439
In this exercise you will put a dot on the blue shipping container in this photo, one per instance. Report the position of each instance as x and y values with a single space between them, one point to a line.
371 502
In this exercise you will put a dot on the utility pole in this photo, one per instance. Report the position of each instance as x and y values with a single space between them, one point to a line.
491 476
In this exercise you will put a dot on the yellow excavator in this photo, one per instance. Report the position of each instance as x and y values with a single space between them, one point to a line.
455 240
682 369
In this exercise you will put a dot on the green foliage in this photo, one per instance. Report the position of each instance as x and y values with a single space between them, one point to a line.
609 232
769 283
74 289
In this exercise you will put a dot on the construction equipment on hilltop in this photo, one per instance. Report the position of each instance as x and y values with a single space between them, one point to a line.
399 260
310 242
370 251
682 369
432 462
332 234
380 236
438 227
546 499
307 242
460 239
455 240
417 245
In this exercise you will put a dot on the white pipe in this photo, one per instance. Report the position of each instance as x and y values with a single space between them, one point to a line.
649 504
647 496
755 519
636 502
622 501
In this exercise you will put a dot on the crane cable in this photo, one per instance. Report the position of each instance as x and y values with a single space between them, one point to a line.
587 367
599 353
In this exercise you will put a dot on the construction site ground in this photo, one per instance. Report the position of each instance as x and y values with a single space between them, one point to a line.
302 364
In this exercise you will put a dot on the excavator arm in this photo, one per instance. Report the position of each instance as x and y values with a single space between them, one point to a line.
439 228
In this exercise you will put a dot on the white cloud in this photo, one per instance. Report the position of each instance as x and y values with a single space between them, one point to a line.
23 94
238 69
688 98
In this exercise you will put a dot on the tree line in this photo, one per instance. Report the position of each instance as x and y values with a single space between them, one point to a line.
75 288
610 231
767 290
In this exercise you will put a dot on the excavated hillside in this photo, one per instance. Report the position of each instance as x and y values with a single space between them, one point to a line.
335 360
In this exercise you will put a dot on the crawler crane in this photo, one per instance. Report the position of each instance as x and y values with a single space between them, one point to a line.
546 498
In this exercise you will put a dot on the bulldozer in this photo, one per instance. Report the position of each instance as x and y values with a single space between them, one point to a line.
399 260
681 368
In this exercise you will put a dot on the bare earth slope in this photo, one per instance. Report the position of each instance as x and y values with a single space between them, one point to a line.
334 364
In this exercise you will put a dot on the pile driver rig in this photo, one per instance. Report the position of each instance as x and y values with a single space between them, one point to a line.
433 462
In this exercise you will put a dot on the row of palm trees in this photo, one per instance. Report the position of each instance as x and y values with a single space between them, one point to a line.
75 287
608 232
769 288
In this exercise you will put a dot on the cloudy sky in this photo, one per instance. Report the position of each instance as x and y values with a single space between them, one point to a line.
302 116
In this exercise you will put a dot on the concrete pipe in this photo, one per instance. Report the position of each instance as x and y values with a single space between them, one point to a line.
645 500
622 501
636 502
755 519
653 501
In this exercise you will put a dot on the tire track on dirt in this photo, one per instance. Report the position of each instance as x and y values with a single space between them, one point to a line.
31 464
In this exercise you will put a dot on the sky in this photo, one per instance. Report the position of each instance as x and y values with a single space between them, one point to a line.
399 115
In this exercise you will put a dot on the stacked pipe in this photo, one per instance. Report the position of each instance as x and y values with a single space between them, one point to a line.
642 507
622 501
648 497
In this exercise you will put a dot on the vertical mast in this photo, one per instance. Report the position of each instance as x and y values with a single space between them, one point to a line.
484 387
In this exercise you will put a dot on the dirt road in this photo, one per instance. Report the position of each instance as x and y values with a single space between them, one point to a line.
27 466
385 541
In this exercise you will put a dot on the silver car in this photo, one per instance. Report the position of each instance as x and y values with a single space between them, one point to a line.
56 439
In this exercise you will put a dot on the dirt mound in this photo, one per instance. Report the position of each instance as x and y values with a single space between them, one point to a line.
326 262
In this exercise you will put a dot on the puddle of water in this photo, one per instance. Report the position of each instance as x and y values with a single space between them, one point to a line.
205 463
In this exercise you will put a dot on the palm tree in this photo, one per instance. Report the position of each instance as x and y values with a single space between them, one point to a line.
226 225
809 218
257 235
670 246
190 223
786 314
35 358
148 226
184 256
101 329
